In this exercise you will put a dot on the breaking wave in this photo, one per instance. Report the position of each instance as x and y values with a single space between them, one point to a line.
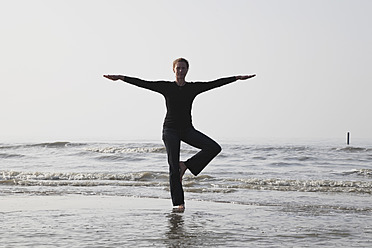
57 144
200 184
128 150
73 176
302 185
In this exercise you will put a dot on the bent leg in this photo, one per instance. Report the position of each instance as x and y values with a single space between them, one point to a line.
209 150
172 142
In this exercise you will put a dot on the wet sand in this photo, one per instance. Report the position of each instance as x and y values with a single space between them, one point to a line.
113 221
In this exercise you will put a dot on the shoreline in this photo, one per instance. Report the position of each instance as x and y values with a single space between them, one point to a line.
11 203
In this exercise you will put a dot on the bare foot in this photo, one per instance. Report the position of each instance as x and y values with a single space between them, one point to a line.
183 169
179 209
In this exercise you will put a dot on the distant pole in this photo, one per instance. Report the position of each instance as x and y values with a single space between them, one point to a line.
348 138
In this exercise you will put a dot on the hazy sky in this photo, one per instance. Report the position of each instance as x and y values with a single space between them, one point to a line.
313 62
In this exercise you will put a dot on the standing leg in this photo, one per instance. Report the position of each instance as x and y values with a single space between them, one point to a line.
209 150
172 142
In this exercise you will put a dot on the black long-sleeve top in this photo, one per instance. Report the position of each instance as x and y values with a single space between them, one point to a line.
178 99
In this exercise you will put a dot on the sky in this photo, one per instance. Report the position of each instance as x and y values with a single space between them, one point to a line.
312 59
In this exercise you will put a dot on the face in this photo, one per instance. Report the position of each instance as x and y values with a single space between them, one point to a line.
180 70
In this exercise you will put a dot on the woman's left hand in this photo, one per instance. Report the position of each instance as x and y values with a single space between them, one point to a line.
244 77
114 77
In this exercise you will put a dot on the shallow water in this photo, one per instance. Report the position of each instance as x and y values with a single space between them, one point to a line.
264 195
101 221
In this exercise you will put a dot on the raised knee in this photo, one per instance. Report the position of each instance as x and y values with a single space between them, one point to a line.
217 149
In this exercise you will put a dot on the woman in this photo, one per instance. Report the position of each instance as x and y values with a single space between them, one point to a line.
177 127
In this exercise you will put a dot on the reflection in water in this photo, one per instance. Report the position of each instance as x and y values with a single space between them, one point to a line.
189 230
176 231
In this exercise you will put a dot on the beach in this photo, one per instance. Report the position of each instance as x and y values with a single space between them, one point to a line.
116 194
97 221
111 221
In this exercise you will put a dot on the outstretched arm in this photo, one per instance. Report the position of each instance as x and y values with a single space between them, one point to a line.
222 81
157 86
244 77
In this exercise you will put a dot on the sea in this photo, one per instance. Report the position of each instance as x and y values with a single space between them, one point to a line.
253 194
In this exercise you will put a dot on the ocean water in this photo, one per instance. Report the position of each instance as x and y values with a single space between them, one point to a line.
277 194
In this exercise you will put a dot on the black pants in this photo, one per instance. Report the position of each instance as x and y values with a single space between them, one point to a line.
172 139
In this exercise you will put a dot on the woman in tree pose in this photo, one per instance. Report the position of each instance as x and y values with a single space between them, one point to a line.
179 96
